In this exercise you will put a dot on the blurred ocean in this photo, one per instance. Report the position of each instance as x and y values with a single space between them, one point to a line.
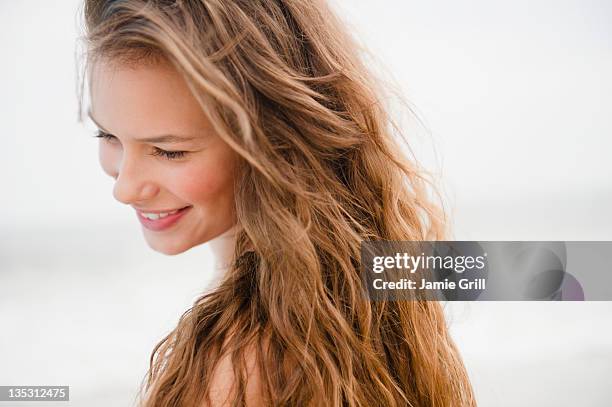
84 306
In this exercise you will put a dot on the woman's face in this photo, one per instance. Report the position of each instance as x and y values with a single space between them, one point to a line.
163 154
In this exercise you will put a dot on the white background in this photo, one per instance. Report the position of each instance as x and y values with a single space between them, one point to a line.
516 98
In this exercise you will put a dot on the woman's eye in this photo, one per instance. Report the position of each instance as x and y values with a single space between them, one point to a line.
103 135
170 155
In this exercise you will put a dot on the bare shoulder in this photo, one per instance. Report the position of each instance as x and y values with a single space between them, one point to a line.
223 379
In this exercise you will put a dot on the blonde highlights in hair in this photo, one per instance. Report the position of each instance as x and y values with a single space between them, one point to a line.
282 84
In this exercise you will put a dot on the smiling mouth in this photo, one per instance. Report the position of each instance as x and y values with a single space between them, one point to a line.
159 221
155 215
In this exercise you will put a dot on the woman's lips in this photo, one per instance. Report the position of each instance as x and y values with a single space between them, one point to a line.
161 223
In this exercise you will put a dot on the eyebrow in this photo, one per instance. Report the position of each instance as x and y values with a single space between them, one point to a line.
164 138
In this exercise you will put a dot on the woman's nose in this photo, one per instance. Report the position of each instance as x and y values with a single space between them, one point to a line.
132 184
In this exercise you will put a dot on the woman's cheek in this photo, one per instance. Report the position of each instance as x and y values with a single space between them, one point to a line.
204 184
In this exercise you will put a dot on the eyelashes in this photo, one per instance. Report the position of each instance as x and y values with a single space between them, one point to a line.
158 152
170 155
103 135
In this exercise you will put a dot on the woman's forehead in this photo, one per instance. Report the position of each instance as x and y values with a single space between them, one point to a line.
147 98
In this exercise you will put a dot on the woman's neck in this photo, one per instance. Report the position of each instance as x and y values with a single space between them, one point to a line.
222 247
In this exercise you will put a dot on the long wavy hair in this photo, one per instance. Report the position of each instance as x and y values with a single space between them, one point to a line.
321 170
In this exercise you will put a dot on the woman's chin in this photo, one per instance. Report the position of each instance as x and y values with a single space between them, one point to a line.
166 246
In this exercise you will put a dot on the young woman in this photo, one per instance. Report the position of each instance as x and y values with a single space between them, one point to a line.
252 124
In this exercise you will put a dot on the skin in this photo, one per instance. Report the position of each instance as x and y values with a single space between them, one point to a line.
137 102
